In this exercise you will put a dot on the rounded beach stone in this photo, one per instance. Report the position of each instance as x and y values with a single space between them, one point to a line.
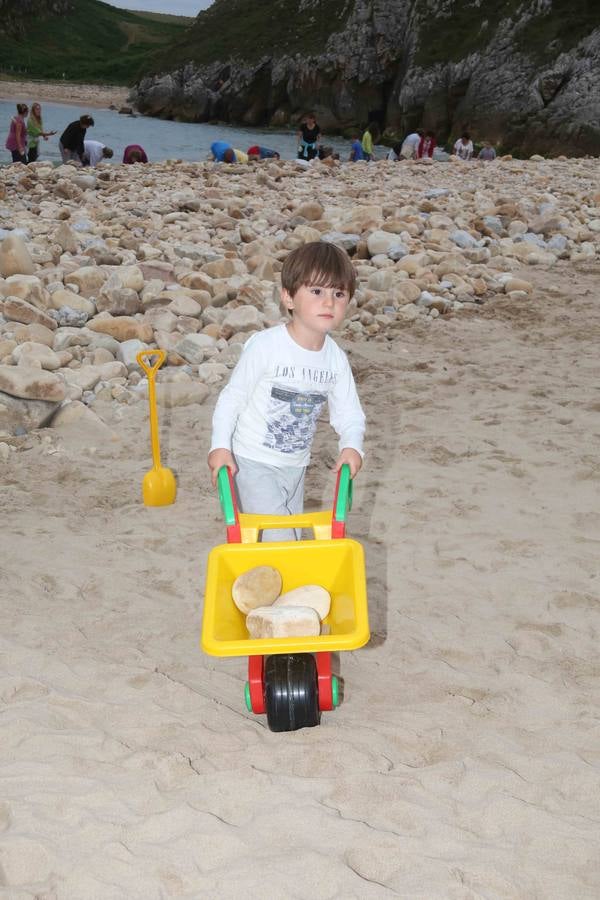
283 621
31 383
312 595
258 587
14 257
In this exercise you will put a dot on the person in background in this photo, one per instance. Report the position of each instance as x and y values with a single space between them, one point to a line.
16 141
487 152
309 136
255 152
218 148
133 153
426 145
71 140
463 148
232 155
327 152
95 152
356 150
394 154
410 144
370 136
35 131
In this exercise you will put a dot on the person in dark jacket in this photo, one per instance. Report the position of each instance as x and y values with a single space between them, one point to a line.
71 140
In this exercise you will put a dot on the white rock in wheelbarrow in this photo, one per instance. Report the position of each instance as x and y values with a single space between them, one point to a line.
283 621
312 595
259 586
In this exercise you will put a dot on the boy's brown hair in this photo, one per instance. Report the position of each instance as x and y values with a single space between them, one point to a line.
320 264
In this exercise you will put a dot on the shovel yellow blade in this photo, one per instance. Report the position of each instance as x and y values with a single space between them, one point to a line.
159 487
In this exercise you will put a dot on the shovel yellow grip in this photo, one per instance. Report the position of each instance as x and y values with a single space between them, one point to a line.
151 369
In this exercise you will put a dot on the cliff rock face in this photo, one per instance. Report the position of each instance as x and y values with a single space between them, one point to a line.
522 73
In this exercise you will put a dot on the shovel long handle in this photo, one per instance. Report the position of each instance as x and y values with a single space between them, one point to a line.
151 369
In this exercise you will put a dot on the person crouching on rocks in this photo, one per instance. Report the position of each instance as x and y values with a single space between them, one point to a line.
95 152
232 155
133 153
255 153
71 144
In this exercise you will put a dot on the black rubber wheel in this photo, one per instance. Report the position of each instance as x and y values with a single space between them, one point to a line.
291 692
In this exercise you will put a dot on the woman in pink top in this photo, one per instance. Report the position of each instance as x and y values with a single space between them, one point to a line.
16 141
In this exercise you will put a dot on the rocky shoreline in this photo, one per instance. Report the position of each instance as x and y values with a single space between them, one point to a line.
186 257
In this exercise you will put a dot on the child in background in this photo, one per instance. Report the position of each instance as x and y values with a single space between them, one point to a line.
356 150
35 131
266 417
370 137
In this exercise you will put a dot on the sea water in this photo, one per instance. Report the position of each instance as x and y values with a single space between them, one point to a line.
160 139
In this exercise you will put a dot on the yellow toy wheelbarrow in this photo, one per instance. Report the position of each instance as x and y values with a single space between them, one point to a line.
289 679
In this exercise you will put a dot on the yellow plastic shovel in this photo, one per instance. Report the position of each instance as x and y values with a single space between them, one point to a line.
158 487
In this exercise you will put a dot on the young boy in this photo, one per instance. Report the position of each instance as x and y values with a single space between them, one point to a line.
265 418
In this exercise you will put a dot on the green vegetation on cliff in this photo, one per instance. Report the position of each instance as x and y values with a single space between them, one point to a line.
239 29
94 43
460 27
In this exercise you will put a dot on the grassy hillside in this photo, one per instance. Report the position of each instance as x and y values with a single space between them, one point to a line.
95 43
461 27
249 29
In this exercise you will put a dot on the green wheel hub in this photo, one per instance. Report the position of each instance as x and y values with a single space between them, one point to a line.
335 691
247 697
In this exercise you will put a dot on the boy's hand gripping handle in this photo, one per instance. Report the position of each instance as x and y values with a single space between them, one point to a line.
341 504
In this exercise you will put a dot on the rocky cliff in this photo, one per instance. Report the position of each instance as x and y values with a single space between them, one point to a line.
523 73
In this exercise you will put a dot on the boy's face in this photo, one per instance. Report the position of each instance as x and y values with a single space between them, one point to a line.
317 310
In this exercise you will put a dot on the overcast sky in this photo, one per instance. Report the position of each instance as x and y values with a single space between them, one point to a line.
175 7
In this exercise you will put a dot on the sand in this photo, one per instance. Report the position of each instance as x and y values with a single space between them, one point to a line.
96 96
463 762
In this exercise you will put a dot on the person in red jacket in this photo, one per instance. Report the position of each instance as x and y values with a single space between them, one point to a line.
133 153
426 145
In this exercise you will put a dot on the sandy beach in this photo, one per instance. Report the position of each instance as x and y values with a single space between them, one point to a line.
96 96
463 762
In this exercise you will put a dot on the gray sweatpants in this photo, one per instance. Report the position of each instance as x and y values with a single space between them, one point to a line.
271 490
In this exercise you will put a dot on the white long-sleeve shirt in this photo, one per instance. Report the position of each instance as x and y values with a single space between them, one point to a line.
93 150
269 409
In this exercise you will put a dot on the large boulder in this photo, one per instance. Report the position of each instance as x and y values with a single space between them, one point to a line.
16 310
122 328
31 383
19 416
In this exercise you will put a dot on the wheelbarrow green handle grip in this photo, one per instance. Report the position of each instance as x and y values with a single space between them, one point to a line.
226 497
341 505
343 494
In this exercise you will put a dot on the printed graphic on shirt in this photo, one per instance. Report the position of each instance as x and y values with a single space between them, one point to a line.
292 419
